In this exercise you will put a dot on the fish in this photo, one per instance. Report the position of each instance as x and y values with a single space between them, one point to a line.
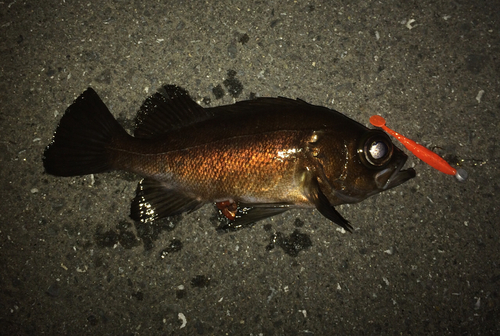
254 159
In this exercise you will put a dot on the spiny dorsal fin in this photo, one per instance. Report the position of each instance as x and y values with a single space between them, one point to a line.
170 108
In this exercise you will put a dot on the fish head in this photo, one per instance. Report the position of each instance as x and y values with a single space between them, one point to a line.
369 163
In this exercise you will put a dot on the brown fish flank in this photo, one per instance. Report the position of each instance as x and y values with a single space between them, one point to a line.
265 156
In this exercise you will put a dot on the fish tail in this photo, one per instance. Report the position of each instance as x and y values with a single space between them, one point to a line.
79 146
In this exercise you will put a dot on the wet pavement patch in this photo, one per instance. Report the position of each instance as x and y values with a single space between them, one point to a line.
149 232
292 244
244 39
233 85
121 235
218 92
138 295
175 245
106 239
200 281
92 320
180 293
53 290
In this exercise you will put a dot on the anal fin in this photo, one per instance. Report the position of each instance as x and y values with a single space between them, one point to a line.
154 200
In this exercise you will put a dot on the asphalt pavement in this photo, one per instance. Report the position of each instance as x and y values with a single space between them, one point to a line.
423 258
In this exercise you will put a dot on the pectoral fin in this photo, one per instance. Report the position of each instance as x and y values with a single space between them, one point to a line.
247 214
316 196
154 200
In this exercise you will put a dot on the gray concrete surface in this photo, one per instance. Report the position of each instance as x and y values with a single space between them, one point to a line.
423 258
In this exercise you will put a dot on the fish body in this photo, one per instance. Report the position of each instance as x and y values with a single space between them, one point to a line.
263 156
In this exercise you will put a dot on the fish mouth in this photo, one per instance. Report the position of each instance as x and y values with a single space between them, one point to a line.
398 175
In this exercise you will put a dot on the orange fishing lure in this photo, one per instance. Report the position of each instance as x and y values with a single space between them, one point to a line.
424 154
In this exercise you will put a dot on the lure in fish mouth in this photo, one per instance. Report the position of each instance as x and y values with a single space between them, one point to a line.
254 159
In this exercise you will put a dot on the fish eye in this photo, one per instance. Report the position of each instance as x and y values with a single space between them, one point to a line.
375 149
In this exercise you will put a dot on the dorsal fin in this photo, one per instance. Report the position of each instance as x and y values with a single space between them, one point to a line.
170 108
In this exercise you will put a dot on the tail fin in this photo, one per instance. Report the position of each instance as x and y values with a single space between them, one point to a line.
80 140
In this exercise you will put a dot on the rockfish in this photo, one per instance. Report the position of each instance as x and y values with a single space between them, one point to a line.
254 159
